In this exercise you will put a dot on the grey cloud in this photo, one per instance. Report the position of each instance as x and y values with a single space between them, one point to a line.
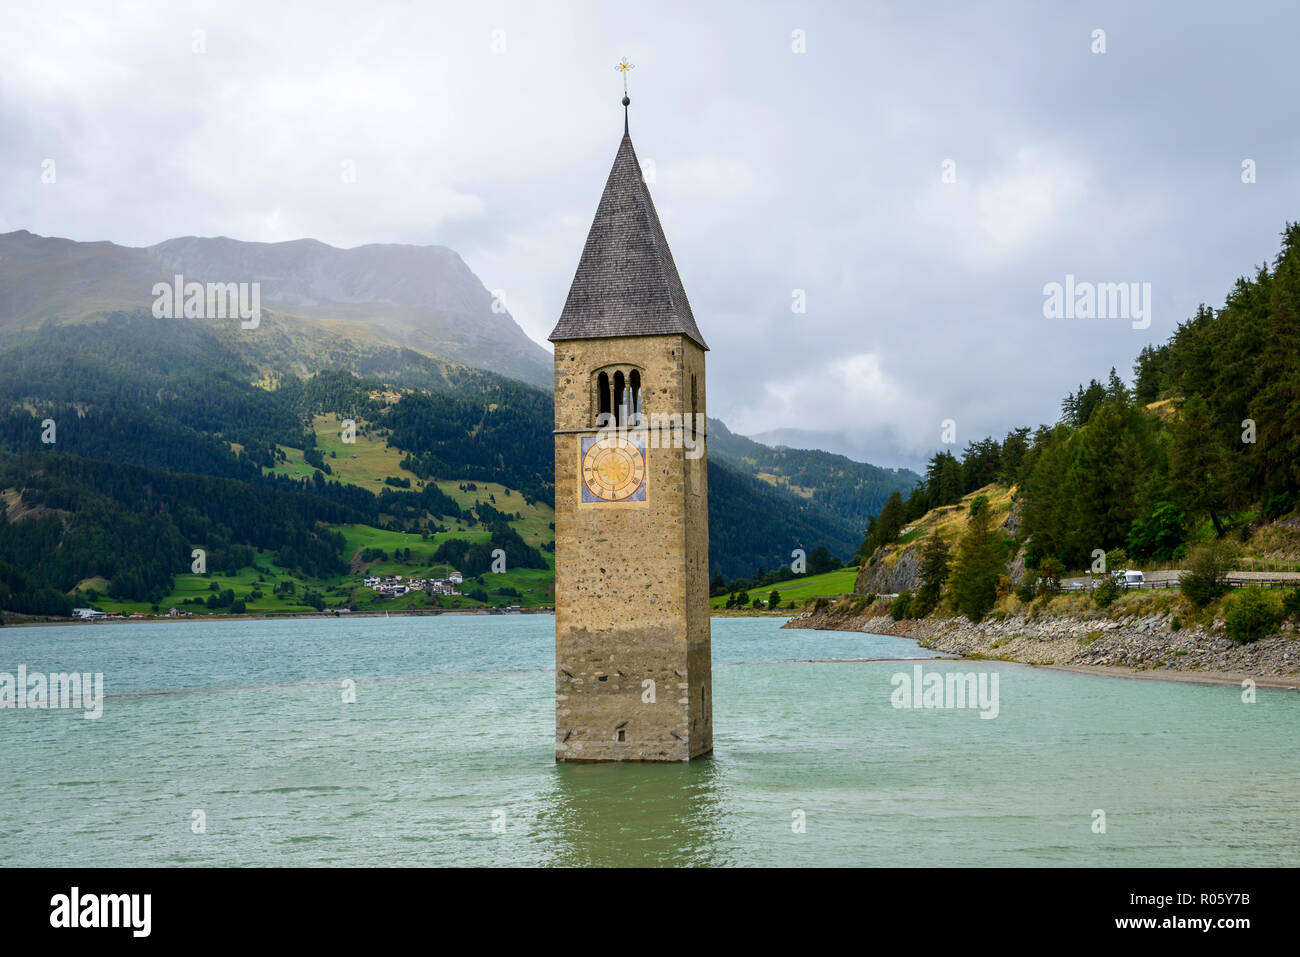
775 170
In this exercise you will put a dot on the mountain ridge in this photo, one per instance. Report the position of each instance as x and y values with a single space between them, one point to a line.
423 297
209 399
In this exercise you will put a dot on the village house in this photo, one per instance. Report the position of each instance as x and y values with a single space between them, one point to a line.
395 586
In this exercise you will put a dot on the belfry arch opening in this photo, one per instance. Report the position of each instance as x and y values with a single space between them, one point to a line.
604 406
619 397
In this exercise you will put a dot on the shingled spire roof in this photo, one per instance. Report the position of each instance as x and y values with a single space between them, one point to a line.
626 283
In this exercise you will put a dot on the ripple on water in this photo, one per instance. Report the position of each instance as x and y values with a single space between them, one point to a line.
446 757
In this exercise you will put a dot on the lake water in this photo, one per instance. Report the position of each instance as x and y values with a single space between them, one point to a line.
451 733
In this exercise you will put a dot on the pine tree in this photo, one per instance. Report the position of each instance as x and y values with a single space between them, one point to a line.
1150 373
1045 508
1198 464
944 481
917 502
883 529
980 464
934 572
1077 409
1014 449
1109 459
979 562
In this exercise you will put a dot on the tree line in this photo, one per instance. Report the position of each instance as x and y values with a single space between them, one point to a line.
1202 447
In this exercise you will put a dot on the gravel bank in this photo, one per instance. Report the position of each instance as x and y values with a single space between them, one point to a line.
1134 646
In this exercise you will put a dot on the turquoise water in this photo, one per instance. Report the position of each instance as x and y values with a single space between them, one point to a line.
452 732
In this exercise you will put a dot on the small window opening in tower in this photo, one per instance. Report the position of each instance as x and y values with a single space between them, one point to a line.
603 408
694 401
636 398
620 407
622 736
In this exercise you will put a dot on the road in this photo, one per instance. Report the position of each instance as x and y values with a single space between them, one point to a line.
1169 579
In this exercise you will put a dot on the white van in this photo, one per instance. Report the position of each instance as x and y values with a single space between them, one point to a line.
1132 579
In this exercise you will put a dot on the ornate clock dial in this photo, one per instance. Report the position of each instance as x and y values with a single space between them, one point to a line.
613 469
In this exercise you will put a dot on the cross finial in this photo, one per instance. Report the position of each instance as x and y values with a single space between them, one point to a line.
624 67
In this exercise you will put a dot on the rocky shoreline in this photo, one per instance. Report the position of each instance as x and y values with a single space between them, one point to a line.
1136 646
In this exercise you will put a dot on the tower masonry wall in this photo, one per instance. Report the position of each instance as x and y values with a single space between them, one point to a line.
631 589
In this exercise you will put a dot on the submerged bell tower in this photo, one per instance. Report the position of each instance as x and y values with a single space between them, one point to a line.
633 670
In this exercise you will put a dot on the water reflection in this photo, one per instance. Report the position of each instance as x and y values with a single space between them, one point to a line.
637 815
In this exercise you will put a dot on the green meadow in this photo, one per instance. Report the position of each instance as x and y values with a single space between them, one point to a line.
799 590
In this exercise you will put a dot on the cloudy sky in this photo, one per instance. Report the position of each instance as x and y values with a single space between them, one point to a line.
795 147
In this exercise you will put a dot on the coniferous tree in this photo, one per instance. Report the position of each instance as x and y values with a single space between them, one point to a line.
933 573
1198 463
944 482
1014 449
1045 509
883 529
1077 409
917 502
980 464
1150 373
1104 479
979 562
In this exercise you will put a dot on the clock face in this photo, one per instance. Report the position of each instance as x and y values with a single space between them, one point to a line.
613 468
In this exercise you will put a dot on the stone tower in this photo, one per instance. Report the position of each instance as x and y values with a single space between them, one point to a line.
632 653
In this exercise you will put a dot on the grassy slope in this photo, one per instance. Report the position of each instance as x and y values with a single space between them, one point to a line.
533 584
366 463
369 460
797 590
948 520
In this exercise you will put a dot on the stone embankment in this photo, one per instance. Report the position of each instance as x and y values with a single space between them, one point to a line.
1138 644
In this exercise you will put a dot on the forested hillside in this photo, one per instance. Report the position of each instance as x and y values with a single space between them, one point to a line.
853 491
753 525
1204 446
128 441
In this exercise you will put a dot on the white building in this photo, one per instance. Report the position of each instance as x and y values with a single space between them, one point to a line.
396 586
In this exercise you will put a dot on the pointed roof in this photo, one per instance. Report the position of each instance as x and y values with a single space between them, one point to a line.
626 283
